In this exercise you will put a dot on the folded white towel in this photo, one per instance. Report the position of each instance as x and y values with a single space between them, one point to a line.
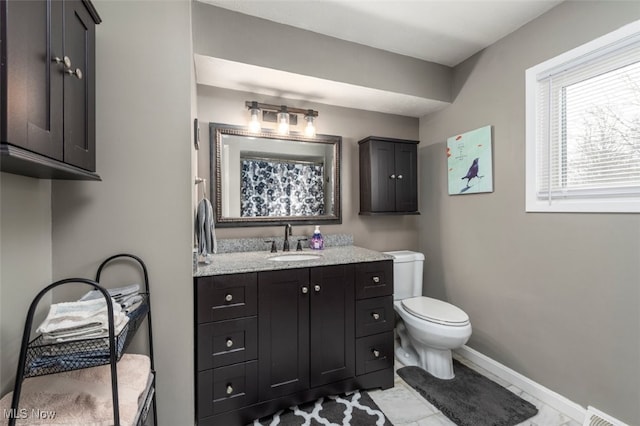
80 319
86 332
116 293
130 300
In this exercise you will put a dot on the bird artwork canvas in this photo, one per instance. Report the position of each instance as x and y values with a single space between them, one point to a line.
470 162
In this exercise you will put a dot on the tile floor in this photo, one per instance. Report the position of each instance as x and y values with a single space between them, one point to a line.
403 406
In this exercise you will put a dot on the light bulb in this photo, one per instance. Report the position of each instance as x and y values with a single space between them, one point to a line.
283 121
254 122
310 129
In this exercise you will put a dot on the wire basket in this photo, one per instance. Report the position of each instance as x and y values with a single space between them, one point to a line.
49 358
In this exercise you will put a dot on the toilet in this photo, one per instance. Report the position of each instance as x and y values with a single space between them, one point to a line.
428 328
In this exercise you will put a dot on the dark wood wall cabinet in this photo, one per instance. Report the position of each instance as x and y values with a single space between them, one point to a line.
388 176
268 340
47 88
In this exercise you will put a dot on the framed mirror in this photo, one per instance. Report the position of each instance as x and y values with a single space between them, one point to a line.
262 179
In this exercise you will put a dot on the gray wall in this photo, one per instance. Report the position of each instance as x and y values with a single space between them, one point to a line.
143 204
224 34
25 261
556 297
375 232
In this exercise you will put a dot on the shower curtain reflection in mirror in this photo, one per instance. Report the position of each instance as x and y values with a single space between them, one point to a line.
275 187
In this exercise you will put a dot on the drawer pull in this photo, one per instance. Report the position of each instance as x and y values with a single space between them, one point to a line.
229 343
316 288
229 389
305 290
376 279
228 297
376 353
376 316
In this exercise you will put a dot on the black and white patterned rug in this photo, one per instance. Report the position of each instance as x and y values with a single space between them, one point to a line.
353 409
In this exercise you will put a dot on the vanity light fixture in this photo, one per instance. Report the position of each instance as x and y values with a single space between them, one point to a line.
282 115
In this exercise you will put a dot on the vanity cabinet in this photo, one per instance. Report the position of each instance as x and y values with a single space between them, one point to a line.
271 339
388 176
47 88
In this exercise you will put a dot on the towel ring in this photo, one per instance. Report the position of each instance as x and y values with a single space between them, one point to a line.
204 187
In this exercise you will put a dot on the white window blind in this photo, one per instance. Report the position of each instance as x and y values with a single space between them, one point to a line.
586 128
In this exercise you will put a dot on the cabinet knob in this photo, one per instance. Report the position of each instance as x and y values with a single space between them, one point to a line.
375 315
228 298
229 343
399 176
392 177
376 353
229 389
305 290
376 279
316 288
77 72
66 61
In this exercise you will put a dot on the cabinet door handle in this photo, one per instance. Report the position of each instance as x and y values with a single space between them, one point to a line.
77 72
399 176
316 288
392 177
66 61
229 389
305 290
376 353
375 315
376 279
229 343
228 297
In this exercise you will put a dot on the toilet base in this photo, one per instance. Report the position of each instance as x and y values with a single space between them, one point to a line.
437 362
407 357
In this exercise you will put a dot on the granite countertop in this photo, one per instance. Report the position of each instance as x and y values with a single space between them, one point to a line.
254 261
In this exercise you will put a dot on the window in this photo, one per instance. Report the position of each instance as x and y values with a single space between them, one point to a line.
583 127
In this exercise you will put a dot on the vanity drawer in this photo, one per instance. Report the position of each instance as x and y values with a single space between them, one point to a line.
227 342
374 279
374 353
374 316
223 297
227 388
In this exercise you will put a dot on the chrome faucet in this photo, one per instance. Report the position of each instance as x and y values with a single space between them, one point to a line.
287 233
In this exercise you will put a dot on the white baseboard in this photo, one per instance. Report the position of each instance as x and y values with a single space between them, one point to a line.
547 396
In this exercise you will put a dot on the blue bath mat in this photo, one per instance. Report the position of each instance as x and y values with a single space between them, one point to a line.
469 399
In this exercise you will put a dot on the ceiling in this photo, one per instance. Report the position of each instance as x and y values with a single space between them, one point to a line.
442 31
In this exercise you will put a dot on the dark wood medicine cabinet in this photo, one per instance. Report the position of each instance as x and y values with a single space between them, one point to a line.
388 176
47 89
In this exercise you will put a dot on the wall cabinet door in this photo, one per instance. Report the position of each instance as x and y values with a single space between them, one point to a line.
79 87
283 330
31 80
332 328
388 176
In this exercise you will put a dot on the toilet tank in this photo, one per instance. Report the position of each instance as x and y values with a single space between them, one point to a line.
407 273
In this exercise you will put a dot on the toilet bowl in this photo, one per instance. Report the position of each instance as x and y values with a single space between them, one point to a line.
428 328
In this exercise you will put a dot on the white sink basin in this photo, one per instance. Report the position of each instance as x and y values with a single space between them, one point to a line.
295 257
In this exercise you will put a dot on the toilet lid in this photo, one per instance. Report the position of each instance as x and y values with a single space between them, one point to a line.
435 311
